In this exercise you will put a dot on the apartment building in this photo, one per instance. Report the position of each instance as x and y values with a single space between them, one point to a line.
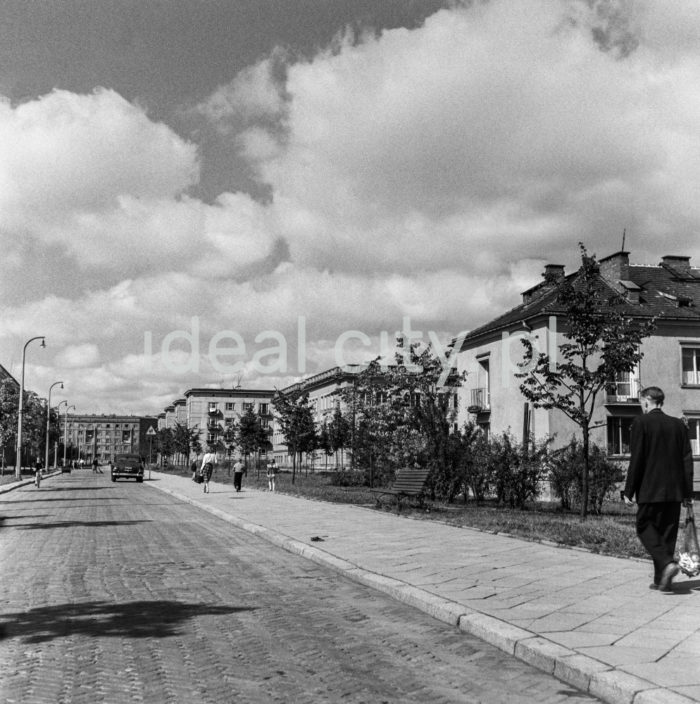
104 436
213 411
669 291
323 389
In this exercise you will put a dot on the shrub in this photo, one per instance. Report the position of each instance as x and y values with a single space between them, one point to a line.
515 472
566 476
349 478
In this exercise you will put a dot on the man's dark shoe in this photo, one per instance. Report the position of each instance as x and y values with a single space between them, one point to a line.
670 571
653 585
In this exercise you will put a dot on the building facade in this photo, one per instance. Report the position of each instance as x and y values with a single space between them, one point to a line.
323 390
88 437
669 292
213 412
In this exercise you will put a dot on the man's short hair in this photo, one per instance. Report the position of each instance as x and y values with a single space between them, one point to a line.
654 394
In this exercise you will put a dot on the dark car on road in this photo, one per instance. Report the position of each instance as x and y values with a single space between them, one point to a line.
128 466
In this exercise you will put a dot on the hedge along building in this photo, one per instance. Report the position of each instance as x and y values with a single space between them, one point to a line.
490 354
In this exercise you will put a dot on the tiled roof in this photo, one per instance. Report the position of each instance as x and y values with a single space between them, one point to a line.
4 374
662 292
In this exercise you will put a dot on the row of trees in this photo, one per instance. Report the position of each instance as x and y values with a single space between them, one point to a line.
392 417
33 425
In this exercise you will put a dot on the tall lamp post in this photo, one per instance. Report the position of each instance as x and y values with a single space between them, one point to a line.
48 423
18 465
58 442
65 431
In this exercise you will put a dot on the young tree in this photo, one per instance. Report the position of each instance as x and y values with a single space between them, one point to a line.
405 411
249 434
165 443
33 425
339 434
602 339
296 421
9 403
229 438
183 439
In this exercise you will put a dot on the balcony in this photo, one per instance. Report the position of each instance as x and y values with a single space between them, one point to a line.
479 401
624 392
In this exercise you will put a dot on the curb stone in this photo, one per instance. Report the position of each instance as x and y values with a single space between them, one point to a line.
618 687
584 673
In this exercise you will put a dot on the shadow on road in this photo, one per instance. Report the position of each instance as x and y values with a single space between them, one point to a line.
74 524
82 487
138 619
39 497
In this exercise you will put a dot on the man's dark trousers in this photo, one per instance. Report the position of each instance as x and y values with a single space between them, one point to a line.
237 480
657 529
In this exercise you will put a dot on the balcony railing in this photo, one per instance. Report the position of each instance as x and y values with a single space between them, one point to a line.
479 401
626 391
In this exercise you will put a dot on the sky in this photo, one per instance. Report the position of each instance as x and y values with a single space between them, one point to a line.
213 193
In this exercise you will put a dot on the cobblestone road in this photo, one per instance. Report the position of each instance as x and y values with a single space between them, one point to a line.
117 593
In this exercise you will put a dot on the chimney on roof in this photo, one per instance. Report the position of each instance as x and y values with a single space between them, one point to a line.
551 276
615 267
553 273
679 265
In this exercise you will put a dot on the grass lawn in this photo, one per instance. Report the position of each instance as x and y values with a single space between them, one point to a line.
8 476
612 533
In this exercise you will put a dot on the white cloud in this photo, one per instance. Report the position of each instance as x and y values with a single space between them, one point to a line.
78 356
504 126
255 92
427 173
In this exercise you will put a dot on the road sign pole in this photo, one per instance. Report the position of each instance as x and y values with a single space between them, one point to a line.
150 432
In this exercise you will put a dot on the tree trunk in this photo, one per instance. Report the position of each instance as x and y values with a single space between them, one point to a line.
586 473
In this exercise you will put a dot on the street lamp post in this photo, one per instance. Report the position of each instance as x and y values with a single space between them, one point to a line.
18 464
58 442
65 431
48 423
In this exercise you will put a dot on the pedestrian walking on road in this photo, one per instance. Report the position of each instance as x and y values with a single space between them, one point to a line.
193 468
660 478
207 468
238 472
38 465
271 475
96 466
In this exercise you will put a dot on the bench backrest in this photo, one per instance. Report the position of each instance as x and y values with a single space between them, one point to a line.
410 480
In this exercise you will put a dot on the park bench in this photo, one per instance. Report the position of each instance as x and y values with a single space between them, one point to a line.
409 483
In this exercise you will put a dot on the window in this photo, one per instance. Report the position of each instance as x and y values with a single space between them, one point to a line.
690 366
263 409
619 435
230 406
625 387
247 406
213 406
694 432
483 380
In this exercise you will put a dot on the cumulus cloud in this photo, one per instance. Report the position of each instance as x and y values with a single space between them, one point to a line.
256 92
78 356
527 125
424 174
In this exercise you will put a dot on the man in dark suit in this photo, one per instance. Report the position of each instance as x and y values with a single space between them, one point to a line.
660 476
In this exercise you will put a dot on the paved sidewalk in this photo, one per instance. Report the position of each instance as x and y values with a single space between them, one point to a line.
588 619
